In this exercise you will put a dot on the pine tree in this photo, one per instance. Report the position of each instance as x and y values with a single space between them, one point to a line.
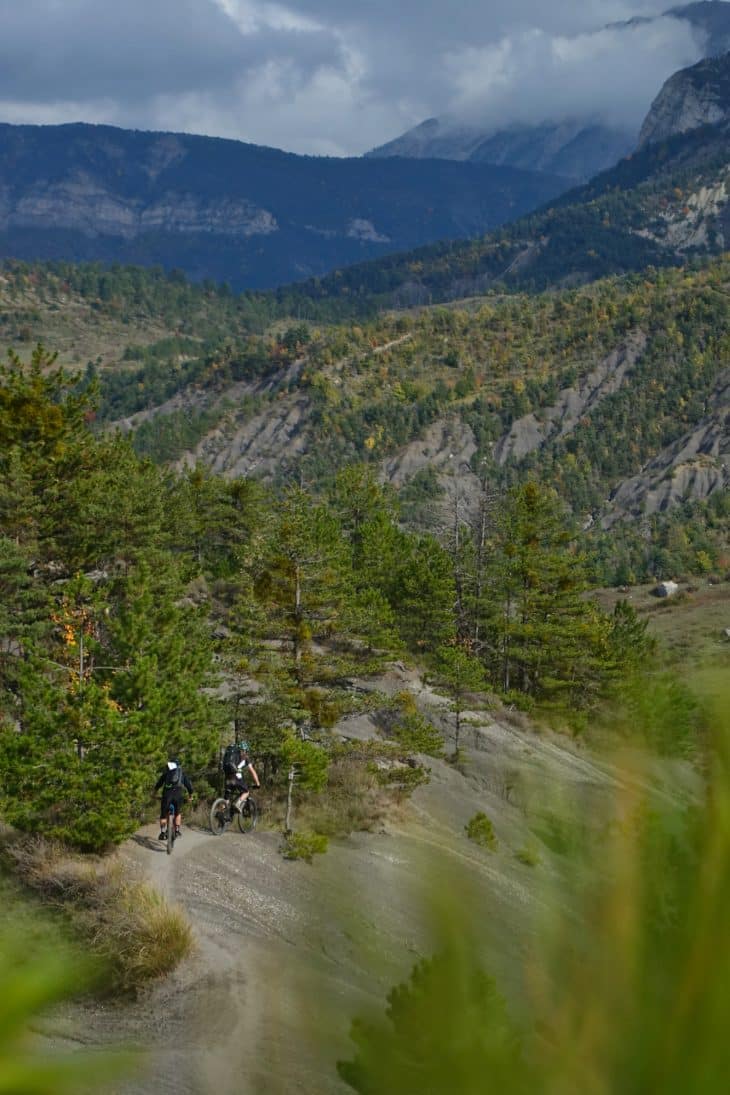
305 582
106 510
104 662
20 505
163 660
423 593
216 520
542 636
359 500
462 674
40 410
24 618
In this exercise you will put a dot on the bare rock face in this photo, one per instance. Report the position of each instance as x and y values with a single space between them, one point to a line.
532 432
84 205
259 445
447 445
691 98
692 221
691 469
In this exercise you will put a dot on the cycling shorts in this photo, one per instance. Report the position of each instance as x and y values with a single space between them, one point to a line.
174 795
237 783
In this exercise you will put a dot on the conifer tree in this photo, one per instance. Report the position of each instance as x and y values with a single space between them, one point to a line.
106 510
163 654
20 504
215 521
542 636
104 661
24 618
305 583
40 410
423 593
462 673
359 500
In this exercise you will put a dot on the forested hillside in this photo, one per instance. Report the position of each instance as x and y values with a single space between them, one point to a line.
129 594
614 394
231 211
666 203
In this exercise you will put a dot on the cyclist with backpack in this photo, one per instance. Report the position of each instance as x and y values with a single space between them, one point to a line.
172 781
237 761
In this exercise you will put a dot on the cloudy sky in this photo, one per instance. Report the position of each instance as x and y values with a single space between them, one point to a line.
332 77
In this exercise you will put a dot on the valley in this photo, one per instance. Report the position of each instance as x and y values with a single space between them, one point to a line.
403 480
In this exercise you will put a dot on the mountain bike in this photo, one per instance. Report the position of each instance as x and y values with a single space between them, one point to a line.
222 815
170 828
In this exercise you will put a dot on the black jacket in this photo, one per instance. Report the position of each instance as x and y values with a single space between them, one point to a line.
184 781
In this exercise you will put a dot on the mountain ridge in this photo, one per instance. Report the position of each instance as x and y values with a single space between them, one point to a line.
651 209
229 211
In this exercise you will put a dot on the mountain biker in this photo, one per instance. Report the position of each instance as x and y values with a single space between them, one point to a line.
172 781
237 761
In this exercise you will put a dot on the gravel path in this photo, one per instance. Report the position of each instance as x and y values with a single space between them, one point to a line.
287 953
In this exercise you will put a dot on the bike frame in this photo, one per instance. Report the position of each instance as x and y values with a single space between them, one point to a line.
170 827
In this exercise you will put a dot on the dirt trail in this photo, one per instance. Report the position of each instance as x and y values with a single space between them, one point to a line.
287 953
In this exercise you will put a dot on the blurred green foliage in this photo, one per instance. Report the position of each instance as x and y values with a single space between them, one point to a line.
38 972
629 994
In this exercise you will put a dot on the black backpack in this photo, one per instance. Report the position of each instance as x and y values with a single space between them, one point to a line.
232 757
173 777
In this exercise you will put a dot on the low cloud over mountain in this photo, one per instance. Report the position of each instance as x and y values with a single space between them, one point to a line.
332 77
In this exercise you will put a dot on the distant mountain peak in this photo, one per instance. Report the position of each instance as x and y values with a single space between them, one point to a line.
576 147
693 97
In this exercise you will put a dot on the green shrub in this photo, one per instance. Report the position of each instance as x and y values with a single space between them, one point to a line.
520 700
481 831
417 735
304 845
352 801
403 777
528 855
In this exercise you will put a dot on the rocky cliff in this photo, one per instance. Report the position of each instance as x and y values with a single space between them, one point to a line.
691 469
691 98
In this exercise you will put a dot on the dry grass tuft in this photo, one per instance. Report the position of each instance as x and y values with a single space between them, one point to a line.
354 801
126 923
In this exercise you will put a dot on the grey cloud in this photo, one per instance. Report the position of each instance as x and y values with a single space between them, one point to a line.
442 23
327 76
612 74
546 60
128 50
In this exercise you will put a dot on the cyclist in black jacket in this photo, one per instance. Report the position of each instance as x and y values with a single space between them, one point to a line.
172 781
236 762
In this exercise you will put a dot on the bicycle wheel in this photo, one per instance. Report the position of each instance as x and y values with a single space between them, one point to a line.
248 816
219 817
170 833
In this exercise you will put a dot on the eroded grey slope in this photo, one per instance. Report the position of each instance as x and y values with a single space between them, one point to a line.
691 469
